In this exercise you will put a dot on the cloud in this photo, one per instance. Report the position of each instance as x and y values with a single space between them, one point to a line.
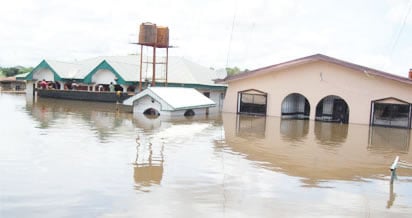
264 32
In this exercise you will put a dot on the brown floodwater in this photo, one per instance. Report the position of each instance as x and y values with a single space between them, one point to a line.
81 159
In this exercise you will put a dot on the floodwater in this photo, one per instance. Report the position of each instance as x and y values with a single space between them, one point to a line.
79 159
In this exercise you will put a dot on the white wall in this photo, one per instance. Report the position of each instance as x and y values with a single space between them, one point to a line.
145 103
103 77
217 97
29 88
45 74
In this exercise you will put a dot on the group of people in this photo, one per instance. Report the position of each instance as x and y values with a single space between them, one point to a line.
49 85
101 88
71 86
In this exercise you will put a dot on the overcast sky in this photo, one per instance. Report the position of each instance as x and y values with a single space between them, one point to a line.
215 33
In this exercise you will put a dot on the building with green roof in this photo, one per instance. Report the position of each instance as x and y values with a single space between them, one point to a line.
96 75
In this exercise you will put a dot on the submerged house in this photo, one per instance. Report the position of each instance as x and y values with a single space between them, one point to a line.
322 88
91 79
170 101
11 84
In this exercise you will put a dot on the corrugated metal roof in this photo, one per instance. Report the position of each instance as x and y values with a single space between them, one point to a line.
8 79
180 70
64 69
176 97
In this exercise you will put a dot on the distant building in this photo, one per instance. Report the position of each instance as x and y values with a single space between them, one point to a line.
322 88
96 75
12 84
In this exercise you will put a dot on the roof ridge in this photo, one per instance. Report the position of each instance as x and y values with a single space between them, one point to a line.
317 57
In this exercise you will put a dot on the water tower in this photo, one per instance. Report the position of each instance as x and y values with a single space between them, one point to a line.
156 37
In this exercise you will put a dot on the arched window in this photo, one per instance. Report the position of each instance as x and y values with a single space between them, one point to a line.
151 112
189 112
295 106
332 108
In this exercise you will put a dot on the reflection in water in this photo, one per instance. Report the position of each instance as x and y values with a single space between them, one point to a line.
146 122
294 129
392 197
78 154
331 133
313 161
247 125
105 117
148 169
392 139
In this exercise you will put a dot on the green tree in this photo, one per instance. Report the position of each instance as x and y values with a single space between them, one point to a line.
13 71
234 70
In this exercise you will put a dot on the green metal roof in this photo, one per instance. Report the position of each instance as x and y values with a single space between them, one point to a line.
181 72
43 65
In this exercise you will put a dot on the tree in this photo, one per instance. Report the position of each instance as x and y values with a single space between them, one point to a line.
234 70
13 71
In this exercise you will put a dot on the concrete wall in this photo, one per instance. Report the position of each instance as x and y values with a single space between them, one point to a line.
104 77
29 88
43 74
217 97
145 103
83 95
317 80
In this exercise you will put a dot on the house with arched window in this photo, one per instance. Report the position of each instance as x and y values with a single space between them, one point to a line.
324 89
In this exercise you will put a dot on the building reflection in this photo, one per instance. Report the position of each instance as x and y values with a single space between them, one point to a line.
392 197
148 167
147 122
326 151
250 125
331 133
43 114
45 110
394 139
102 118
294 130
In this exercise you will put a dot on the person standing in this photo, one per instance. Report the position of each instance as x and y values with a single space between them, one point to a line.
43 84
111 87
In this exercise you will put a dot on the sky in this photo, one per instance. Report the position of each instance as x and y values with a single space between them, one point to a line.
214 33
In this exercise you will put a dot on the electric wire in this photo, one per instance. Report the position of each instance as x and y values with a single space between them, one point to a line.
231 35
395 43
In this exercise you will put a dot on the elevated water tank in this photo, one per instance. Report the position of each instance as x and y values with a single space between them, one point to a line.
162 37
148 34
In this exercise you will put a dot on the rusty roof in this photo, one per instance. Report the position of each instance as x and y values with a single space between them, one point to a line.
8 79
314 58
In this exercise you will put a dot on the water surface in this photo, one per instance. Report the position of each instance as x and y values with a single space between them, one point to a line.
80 159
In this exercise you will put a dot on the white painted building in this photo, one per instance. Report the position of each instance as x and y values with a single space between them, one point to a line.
170 102
124 72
